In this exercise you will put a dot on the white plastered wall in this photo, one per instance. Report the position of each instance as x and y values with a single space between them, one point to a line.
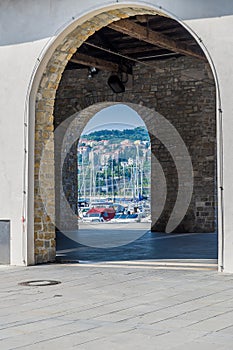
216 33
33 27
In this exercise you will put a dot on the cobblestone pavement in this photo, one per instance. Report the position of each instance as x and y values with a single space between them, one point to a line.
123 306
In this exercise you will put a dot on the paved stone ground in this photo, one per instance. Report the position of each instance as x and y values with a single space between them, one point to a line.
101 306
144 244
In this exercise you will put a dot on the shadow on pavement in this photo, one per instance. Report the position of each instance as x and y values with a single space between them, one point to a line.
151 245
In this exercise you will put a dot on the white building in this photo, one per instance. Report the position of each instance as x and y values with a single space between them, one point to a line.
30 34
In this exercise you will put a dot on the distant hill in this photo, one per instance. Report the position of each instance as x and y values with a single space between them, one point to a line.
139 133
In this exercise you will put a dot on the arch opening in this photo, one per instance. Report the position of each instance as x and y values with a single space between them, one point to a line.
112 150
113 183
178 85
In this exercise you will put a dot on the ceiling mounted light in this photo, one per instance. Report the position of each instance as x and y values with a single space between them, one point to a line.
116 84
91 72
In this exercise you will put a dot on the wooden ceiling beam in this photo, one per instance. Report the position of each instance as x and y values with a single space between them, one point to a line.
90 61
139 32
139 49
144 18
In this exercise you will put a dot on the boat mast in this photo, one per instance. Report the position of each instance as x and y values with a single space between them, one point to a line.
123 165
112 179
106 178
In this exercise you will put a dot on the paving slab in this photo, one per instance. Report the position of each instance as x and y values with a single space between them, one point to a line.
107 306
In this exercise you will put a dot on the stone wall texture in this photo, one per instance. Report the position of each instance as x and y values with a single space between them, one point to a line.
44 225
182 90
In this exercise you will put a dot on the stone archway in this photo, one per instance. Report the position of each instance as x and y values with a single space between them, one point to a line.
44 229
162 133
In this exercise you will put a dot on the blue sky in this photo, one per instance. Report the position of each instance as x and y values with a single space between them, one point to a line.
115 117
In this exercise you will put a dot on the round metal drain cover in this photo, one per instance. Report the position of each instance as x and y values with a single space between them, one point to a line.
39 283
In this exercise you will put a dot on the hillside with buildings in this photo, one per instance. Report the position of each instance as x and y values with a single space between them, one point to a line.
116 136
114 163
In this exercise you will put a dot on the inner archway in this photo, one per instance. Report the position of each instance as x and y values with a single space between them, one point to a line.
182 89
114 157
154 123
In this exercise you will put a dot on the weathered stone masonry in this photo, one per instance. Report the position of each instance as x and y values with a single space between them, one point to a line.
183 91
200 139
44 229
